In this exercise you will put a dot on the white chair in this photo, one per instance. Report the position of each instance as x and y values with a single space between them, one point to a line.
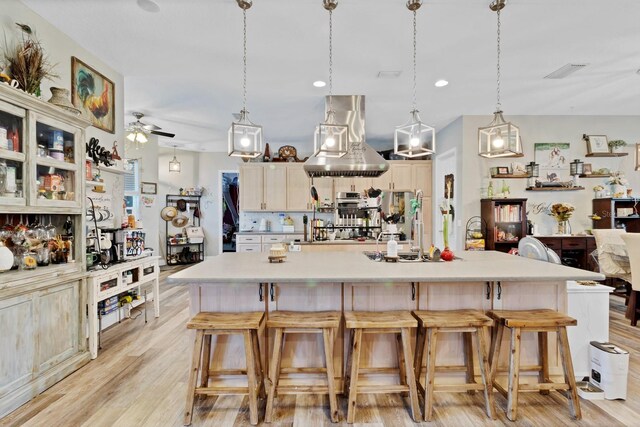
611 256
632 241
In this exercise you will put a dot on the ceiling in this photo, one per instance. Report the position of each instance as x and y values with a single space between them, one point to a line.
183 65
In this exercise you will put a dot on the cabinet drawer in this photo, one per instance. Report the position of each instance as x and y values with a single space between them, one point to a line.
574 244
277 238
249 248
552 243
247 239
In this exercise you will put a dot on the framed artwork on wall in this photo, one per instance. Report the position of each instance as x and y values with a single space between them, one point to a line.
638 157
596 143
93 94
553 158
148 188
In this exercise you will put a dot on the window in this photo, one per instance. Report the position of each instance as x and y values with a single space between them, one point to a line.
132 190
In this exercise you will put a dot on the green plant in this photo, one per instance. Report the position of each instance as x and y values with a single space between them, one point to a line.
617 143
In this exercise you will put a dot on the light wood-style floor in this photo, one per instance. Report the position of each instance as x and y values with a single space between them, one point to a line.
139 379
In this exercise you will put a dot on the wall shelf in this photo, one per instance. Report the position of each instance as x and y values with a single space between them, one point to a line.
509 176
554 188
606 154
596 175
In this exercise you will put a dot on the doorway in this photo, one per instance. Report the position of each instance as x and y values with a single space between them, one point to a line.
230 206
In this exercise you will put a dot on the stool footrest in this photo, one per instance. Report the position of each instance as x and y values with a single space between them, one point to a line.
458 387
544 386
378 370
221 391
302 389
382 388
311 370
220 372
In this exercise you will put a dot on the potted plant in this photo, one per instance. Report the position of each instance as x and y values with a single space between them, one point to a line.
616 145
618 184
562 212
598 189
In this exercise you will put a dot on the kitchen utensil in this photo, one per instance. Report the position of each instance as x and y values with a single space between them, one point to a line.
105 243
373 193
168 213
314 194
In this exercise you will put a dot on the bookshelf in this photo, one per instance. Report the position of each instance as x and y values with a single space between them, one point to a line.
506 221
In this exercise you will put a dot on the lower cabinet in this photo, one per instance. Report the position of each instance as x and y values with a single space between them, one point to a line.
42 339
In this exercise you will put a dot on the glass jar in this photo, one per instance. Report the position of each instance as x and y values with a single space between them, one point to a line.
29 261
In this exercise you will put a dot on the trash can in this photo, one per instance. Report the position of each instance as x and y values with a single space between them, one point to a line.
609 369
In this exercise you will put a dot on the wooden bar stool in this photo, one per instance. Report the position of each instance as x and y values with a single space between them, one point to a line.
541 321
207 324
468 322
387 322
291 322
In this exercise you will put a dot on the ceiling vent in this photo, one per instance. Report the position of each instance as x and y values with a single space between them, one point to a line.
389 74
563 72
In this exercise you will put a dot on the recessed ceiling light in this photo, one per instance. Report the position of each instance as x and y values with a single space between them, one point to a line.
319 83
148 6
389 74
441 83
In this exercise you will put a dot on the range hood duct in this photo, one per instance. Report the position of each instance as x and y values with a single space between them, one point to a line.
361 160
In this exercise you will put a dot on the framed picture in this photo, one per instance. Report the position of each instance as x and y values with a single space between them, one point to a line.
553 158
503 170
93 94
148 188
638 157
448 186
596 144
587 170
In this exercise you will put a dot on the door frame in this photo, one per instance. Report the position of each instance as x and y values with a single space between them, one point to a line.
221 214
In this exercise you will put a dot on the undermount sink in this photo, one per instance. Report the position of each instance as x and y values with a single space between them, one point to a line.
402 256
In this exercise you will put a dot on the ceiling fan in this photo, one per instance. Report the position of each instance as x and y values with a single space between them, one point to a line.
138 131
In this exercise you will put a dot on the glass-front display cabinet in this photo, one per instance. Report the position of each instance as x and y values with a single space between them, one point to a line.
12 155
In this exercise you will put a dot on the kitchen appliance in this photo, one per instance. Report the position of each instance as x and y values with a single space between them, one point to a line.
265 225
609 369
361 159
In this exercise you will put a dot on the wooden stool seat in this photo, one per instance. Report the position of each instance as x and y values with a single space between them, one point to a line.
396 322
541 321
207 324
469 323
452 318
235 321
530 319
304 320
285 322
379 320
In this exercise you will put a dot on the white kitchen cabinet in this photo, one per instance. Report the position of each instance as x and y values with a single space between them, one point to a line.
403 177
251 187
261 242
422 175
298 188
275 188
249 247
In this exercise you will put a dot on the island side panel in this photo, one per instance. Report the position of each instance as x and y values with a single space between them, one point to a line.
307 350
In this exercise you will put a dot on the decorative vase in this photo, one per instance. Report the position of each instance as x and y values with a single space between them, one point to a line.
6 258
618 190
563 228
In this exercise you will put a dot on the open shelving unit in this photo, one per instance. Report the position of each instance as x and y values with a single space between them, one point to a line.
554 188
506 221
195 251
606 154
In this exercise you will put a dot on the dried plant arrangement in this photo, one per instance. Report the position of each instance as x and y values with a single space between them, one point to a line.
26 61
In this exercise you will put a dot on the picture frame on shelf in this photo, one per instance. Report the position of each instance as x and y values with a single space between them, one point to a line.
597 144
148 188
587 169
500 170
93 94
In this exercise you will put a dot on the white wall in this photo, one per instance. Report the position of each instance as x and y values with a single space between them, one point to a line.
535 129
59 49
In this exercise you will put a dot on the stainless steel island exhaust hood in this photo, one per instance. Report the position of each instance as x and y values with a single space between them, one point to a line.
361 160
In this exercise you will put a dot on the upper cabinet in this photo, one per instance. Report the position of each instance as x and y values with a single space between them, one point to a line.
41 155
263 187
406 175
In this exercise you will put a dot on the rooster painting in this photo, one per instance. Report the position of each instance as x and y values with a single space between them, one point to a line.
93 94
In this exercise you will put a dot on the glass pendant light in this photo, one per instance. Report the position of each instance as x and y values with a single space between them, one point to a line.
500 138
174 165
245 137
330 138
414 139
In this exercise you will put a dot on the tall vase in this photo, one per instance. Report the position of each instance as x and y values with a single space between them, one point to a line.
563 228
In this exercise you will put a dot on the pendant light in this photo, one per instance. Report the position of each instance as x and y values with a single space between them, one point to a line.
174 165
245 137
330 138
500 138
414 139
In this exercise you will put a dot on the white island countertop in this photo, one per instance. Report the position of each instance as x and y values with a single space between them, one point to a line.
302 267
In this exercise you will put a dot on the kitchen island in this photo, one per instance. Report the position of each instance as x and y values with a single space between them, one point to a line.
347 281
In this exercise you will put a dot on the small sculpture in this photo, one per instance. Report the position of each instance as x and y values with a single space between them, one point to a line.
114 151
